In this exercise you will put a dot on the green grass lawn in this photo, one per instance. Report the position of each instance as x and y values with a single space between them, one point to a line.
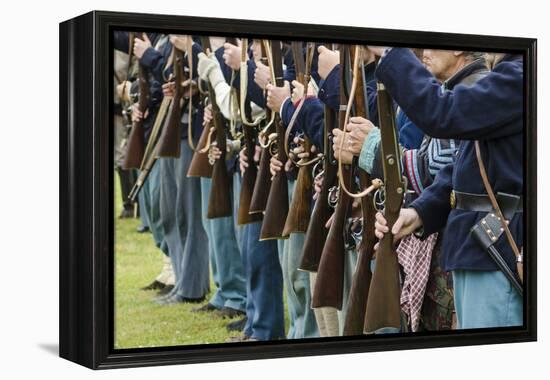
139 321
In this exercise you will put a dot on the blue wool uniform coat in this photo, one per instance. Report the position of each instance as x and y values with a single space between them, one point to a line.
156 61
490 111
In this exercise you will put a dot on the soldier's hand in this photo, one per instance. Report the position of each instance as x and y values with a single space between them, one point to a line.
317 184
344 154
140 45
328 60
215 152
180 41
297 91
137 115
262 75
207 117
243 160
358 128
168 89
232 55
407 223
276 96
275 166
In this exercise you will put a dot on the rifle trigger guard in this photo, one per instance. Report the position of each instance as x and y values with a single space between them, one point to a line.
379 198
332 199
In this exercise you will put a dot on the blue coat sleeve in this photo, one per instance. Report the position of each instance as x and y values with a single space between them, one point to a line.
329 92
410 136
434 205
490 109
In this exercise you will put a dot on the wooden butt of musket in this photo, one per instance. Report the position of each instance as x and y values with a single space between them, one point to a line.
359 293
136 149
316 234
260 194
300 207
329 285
276 209
247 188
200 165
383 304
219 202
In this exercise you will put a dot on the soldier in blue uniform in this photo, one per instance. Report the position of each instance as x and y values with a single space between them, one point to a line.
491 111
149 196
225 254
264 280
186 240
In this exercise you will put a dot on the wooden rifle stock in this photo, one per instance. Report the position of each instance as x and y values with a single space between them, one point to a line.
329 285
359 291
170 139
199 166
136 140
260 194
277 202
219 202
316 234
300 206
250 174
383 304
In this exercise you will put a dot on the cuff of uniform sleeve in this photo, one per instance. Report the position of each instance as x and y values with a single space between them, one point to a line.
149 56
323 93
286 112
366 157
422 207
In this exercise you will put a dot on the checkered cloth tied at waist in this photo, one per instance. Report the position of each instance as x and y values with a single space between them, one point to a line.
415 255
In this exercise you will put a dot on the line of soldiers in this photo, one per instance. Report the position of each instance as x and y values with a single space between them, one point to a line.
345 177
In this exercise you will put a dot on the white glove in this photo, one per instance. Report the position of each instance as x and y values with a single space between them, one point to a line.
209 69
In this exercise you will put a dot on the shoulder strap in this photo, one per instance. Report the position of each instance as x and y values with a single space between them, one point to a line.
513 245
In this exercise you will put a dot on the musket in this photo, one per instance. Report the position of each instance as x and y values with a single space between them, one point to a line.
136 140
316 234
219 202
258 201
300 206
250 134
277 202
323 208
170 140
150 156
329 285
383 304
359 291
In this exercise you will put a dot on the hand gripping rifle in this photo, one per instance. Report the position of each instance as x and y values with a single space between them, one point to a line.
219 202
300 207
258 201
250 135
136 140
383 304
277 203
329 285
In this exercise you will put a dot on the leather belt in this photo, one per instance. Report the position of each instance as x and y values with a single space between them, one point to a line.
509 203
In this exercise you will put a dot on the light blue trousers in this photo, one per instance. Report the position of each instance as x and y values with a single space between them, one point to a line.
485 299
149 201
296 284
225 259
181 220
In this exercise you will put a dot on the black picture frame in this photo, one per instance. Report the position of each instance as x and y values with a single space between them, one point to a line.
86 196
